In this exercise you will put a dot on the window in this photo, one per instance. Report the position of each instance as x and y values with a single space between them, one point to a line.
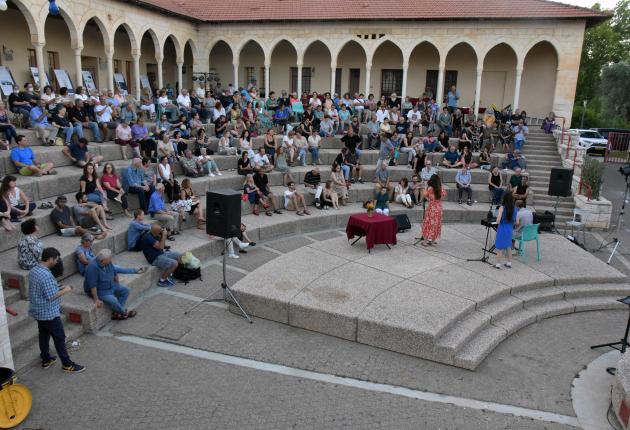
250 76
117 66
32 58
450 79
354 81
307 74
391 81
338 75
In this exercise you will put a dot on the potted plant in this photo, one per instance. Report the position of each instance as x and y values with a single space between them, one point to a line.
592 177
370 208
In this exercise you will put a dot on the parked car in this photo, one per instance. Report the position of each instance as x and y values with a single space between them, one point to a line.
604 131
591 140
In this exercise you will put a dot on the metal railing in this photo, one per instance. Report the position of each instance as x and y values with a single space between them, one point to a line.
617 148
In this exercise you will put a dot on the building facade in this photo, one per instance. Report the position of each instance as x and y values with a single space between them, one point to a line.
530 63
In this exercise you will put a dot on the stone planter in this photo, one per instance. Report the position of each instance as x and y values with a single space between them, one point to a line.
597 213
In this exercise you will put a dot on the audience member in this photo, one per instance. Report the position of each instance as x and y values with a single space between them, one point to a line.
25 161
463 181
293 200
153 247
19 204
29 249
169 219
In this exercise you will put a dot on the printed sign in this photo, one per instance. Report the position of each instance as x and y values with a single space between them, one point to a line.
121 84
88 80
6 80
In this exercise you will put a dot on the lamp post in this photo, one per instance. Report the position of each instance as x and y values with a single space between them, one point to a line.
584 102
3 5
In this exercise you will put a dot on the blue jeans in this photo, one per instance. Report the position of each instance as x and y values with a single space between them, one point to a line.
302 156
9 132
95 198
69 131
314 155
115 298
96 132
518 144
141 196
53 328
497 194
346 171
167 260
358 152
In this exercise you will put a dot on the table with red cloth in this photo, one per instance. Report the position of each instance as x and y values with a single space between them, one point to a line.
377 229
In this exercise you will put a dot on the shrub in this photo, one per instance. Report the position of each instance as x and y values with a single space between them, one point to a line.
593 176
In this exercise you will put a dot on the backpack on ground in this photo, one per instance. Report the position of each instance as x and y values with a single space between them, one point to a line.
186 274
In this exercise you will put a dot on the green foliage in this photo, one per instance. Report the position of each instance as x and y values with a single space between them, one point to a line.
615 90
593 176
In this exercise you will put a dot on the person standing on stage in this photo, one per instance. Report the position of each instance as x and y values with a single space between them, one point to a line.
432 223
506 219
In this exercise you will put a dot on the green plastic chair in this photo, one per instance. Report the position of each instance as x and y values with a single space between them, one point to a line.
529 234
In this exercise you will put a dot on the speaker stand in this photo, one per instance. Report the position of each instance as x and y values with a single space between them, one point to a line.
228 295
620 222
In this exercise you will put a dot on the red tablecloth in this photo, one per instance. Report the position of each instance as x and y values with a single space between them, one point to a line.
378 230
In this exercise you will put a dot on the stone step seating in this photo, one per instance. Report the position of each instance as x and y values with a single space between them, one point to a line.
469 341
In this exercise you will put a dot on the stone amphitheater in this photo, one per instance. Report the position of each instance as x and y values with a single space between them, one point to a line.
423 316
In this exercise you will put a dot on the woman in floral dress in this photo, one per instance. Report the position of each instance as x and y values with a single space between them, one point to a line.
432 223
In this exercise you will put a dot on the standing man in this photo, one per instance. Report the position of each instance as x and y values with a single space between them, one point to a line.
385 152
45 298
452 97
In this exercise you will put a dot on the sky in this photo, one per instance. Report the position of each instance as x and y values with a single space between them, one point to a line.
606 4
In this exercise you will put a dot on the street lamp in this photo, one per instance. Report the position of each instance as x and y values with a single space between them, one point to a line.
584 102
3 5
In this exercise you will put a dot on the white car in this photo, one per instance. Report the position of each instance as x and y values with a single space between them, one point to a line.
591 140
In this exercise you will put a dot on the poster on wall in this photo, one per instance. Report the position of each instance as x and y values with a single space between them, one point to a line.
6 80
121 84
144 83
63 80
88 80
35 73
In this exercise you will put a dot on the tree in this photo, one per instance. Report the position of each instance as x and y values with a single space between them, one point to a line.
615 90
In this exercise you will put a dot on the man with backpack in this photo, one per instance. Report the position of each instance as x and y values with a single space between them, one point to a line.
137 228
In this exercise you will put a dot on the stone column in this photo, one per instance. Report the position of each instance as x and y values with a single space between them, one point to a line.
368 72
110 70
478 90
180 75
235 83
39 55
299 80
78 81
403 94
136 74
517 88
160 74
267 89
6 357
439 94
333 77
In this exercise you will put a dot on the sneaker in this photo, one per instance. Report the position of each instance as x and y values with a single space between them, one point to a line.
360 181
170 280
47 363
252 244
497 266
232 255
244 245
459 202
118 199
508 265
211 175
164 283
219 174
53 172
73 368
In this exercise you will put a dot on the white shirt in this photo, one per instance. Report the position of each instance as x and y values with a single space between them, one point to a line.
183 101
287 141
107 114
163 101
381 115
413 117
314 101
261 160
216 113
287 197
313 141
165 170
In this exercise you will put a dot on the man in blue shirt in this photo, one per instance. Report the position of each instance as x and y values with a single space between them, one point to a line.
137 228
39 120
44 294
157 209
520 132
451 99
451 158
78 153
153 246
133 182
103 286
385 152
463 180
26 163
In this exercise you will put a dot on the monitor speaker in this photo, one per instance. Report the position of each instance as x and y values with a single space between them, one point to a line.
223 213
560 182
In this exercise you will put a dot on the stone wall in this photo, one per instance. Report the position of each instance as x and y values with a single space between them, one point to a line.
6 358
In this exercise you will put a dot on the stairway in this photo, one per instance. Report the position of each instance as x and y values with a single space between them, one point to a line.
541 153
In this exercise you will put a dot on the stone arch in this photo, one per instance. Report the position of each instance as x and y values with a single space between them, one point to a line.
75 40
35 25
387 70
316 56
520 55
462 57
424 61
550 40
538 81
222 67
251 59
237 50
343 45
272 46
179 50
157 46
378 43
499 75
464 41
193 49
108 38
133 38
281 65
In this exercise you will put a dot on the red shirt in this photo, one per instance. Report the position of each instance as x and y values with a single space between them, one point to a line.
112 180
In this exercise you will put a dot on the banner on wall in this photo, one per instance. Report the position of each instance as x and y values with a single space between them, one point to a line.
35 73
88 80
63 80
144 84
121 84
6 80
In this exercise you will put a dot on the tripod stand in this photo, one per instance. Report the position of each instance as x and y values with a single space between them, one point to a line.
623 344
228 295
620 221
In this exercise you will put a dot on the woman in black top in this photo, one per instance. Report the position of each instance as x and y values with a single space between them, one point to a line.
244 165
457 121
91 186
495 183
443 140
305 128
418 162
521 191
